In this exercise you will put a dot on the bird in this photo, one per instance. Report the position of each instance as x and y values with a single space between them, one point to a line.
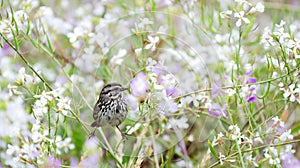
111 108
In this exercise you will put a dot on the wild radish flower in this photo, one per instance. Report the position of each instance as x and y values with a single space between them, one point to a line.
63 144
271 154
226 14
168 106
140 85
5 28
267 39
194 99
289 160
241 18
290 92
152 43
259 7
138 51
251 160
285 136
132 102
216 89
52 162
221 158
180 123
144 22
280 32
217 111
230 92
277 122
75 36
294 45
118 59
63 105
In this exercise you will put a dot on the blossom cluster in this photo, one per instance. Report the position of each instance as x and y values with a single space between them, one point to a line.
270 151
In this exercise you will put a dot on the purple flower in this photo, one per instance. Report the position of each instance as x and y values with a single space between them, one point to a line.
157 69
251 98
5 50
61 79
90 161
132 102
216 88
171 91
90 144
248 72
251 80
74 162
217 110
53 162
168 106
139 85
289 161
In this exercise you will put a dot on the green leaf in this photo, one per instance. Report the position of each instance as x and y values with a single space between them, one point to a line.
212 150
296 129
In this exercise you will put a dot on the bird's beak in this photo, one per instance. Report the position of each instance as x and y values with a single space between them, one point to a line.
124 88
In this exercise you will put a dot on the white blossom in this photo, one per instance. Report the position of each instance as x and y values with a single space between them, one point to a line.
152 43
241 18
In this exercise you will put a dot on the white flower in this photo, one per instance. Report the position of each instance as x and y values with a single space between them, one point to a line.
251 160
267 39
39 108
118 59
144 22
290 92
230 92
64 145
286 136
12 149
64 105
180 123
294 45
5 28
271 153
279 32
13 90
221 158
152 43
289 148
190 138
138 51
44 97
74 36
226 14
220 135
276 120
236 134
25 78
241 18
258 7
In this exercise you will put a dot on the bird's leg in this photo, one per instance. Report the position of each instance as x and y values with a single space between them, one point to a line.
124 135
92 133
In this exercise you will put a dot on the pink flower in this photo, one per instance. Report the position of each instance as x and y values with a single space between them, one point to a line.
52 162
139 85
251 80
132 102
289 161
217 110
171 91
